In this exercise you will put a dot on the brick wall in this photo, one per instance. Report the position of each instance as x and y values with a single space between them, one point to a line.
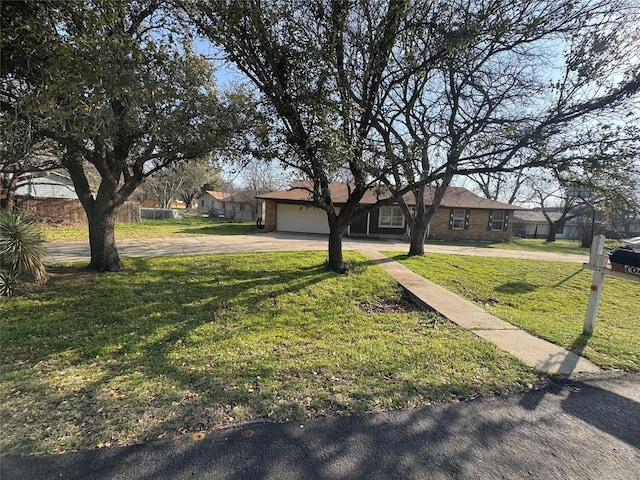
478 220
270 215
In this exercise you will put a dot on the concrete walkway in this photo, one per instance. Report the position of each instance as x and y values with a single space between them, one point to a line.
534 351
538 353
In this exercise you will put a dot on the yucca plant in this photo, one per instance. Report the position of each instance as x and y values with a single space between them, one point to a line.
21 251
9 283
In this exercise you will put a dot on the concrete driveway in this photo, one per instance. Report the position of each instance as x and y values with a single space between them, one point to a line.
61 252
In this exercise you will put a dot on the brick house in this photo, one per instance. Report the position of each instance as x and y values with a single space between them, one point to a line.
462 214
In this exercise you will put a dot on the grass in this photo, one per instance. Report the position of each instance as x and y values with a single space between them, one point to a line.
548 299
571 247
189 225
559 246
176 345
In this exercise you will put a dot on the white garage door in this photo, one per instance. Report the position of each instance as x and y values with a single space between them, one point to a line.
298 218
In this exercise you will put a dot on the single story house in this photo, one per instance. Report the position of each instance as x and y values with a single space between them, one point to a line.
235 206
533 224
462 214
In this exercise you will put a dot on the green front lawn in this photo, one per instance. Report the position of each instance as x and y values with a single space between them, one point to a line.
548 299
530 244
189 225
179 345
559 246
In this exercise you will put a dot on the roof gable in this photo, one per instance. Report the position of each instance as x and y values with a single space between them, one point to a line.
234 197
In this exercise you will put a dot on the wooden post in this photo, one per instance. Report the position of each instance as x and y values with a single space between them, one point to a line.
598 262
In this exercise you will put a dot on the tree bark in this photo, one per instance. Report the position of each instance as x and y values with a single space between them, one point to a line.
101 215
551 236
10 186
336 262
416 246
423 217
419 231
104 254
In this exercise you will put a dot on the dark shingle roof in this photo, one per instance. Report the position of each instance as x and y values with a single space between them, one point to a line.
454 197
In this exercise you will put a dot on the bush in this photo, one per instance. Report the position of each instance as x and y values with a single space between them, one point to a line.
21 251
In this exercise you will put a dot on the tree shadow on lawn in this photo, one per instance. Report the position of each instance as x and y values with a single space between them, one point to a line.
516 288
75 298
128 328
130 325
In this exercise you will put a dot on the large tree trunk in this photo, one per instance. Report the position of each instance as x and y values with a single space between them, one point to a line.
9 186
554 227
101 215
551 236
419 230
104 254
422 217
418 235
336 262
337 227
418 224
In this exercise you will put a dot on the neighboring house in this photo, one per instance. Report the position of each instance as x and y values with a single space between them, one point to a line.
46 185
235 206
462 214
175 204
533 224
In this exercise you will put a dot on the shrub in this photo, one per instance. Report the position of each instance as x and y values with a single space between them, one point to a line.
21 251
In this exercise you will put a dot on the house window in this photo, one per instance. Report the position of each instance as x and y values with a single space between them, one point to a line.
497 220
458 219
391 217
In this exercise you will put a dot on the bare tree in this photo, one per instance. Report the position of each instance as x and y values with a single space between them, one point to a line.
507 187
260 177
407 94
319 67
486 106
184 181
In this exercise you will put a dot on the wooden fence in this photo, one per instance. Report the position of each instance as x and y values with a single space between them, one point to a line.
69 212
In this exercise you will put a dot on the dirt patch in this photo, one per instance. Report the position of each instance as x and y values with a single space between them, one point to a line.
402 305
58 272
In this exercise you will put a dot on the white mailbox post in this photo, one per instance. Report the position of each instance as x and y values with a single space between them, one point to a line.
598 263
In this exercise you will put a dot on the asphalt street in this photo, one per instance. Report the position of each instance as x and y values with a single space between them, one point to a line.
579 428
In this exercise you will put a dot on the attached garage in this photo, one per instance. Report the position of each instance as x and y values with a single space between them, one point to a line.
300 218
